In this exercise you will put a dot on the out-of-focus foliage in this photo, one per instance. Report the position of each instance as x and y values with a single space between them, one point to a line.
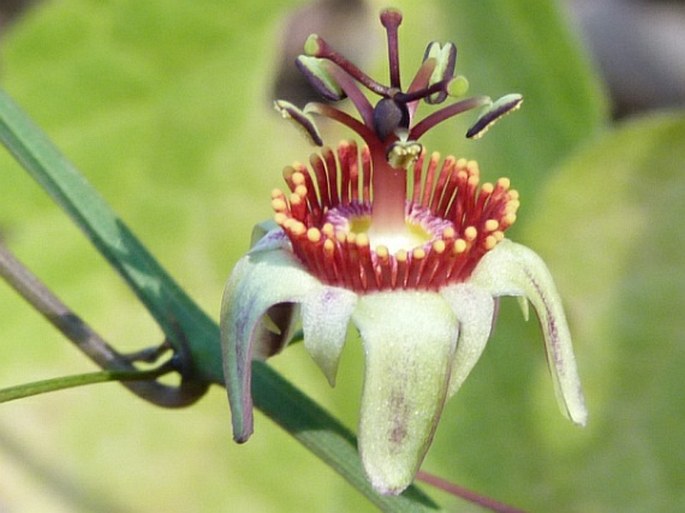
164 105
623 274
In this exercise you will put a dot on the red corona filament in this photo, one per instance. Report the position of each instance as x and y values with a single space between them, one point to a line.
327 215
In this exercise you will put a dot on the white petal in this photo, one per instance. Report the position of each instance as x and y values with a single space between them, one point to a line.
409 341
514 270
474 308
325 316
258 282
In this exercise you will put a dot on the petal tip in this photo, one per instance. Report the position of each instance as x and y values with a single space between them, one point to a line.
578 414
388 479
385 489
242 437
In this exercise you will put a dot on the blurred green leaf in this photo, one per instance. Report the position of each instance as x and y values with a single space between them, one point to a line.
621 265
526 47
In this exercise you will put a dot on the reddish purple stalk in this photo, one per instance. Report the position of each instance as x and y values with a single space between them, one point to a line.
466 494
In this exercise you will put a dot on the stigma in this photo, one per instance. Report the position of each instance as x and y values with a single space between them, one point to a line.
450 220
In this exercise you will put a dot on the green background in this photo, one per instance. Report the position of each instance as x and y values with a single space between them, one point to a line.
165 107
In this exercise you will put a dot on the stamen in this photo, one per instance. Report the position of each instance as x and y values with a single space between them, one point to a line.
316 46
490 242
328 230
367 269
433 260
495 112
470 233
279 204
354 94
419 83
508 219
402 268
301 120
459 246
491 225
314 235
385 268
319 169
418 256
298 207
442 194
365 132
329 263
446 59
445 113
319 78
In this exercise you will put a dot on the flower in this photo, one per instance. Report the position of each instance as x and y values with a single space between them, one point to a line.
407 246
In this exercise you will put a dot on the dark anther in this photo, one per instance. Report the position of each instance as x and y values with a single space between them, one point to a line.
499 108
446 60
388 116
314 70
301 121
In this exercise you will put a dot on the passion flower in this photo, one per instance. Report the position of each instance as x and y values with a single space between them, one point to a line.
409 247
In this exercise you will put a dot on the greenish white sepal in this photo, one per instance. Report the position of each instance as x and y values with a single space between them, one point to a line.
267 236
258 282
325 316
512 269
474 308
409 340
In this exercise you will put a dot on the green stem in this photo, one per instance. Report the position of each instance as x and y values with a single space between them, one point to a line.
24 282
64 382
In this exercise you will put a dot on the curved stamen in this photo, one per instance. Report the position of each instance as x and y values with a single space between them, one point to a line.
422 93
353 124
419 82
497 110
300 119
354 94
445 113
316 46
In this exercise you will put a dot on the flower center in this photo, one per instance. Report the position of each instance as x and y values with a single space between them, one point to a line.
413 235
339 232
